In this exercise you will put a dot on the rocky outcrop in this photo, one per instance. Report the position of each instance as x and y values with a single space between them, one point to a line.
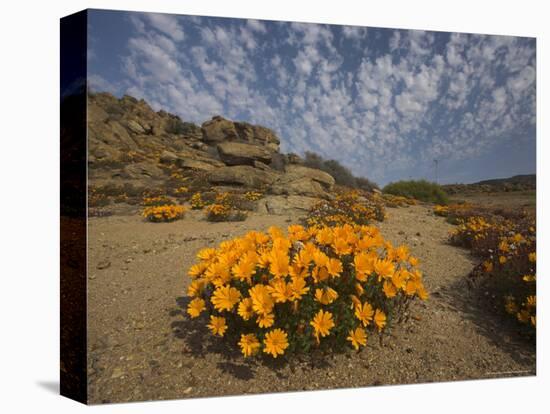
294 171
286 205
304 181
242 175
298 186
142 169
197 165
219 129
237 153
132 144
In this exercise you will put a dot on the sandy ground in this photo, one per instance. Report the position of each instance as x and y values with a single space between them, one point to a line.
142 346
514 199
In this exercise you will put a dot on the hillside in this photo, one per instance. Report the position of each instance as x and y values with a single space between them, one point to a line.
134 150
515 183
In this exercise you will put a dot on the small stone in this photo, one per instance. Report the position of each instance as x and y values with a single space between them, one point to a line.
103 265
117 373
188 390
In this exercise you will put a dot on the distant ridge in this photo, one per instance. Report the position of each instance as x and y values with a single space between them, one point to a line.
516 179
523 182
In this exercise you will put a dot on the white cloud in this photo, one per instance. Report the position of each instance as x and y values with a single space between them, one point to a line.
256 26
418 100
522 80
354 32
100 84
167 24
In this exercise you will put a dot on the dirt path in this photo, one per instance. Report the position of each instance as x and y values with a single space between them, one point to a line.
142 346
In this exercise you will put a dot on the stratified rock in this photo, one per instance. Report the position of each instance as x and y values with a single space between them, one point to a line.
266 137
198 165
304 186
167 157
112 134
242 175
219 129
299 171
282 205
236 153
258 135
135 127
142 169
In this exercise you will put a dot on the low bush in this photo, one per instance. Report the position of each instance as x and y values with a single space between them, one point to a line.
323 287
197 203
163 213
507 245
161 200
398 201
421 190
223 209
348 207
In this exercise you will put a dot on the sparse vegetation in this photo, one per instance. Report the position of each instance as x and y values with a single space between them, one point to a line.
421 190
341 174
164 213
224 209
177 127
348 207
506 242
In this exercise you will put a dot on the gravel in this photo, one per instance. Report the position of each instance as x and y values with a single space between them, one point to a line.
142 346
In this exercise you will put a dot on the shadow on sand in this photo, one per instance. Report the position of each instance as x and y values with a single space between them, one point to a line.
478 301
200 342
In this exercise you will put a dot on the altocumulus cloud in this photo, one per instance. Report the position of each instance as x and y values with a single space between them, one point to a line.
384 102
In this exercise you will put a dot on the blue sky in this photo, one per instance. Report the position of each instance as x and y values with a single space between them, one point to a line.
384 102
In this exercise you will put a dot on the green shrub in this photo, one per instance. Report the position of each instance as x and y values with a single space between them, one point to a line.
420 189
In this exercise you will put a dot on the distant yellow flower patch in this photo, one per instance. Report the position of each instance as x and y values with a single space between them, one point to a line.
164 213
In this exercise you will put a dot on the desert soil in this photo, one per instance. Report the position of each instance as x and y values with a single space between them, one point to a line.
142 346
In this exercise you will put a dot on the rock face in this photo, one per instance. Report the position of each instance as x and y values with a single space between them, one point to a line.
219 129
237 153
130 143
281 205
294 171
242 175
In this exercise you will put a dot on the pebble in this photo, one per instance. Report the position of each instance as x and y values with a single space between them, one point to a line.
103 265
117 373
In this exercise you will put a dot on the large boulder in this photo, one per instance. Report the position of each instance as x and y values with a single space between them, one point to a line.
304 186
267 137
237 153
242 175
218 129
285 205
295 171
110 133
258 135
